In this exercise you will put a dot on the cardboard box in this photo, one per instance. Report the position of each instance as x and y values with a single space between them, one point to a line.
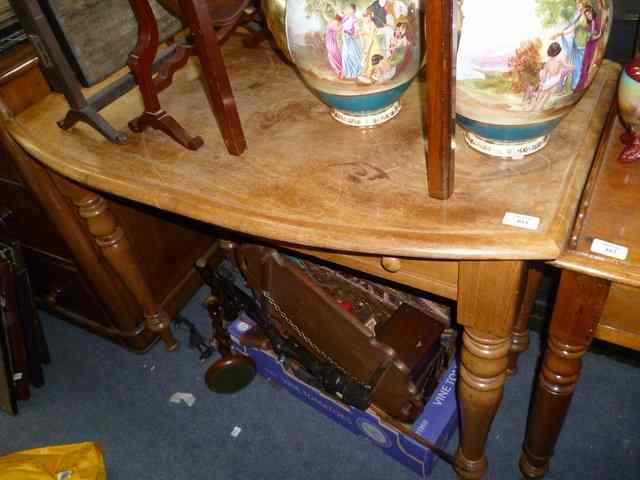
436 424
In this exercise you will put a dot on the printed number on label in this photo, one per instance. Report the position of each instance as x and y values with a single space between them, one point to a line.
521 221
609 249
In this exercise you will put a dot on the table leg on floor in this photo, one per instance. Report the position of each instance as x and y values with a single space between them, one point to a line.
489 296
520 333
578 308
62 215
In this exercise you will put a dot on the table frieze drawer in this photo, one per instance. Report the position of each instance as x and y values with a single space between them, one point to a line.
620 322
434 276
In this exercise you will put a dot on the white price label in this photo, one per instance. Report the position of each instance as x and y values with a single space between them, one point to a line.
243 327
521 221
609 249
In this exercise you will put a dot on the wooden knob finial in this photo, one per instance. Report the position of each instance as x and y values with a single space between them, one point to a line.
391 264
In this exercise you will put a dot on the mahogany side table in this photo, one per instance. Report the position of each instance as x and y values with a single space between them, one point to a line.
598 296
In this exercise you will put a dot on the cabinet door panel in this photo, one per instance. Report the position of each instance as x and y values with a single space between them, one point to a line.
62 289
33 227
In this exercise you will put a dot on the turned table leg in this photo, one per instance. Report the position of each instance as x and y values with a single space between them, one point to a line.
115 247
520 333
488 304
62 215
578 307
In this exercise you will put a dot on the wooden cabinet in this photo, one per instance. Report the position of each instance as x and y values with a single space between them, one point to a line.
69 273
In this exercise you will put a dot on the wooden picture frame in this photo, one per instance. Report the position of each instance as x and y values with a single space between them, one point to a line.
8 401
82 27
61 69
8 387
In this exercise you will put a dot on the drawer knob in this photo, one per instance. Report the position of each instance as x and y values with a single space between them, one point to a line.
391 264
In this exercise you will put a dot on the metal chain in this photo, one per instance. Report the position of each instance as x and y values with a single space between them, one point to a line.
302 335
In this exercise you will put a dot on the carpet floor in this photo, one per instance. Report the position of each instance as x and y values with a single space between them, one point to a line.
99 392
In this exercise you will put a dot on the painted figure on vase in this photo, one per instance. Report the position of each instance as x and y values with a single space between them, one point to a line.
383 23
552 76
573 41
372 43
594 32
351 49
387 52
332 44
379 12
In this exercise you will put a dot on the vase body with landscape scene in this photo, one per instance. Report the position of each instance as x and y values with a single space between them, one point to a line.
358 56
522 65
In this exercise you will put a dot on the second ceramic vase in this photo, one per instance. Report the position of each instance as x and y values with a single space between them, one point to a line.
522 65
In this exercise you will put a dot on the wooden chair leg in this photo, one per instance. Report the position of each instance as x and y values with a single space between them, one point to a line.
520 333
207 48
578 308
141 62
164 122
489 294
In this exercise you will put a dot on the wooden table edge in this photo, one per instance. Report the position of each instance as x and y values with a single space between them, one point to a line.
516 245
597 266
560 228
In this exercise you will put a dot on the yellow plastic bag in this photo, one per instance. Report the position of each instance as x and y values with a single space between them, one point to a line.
80 461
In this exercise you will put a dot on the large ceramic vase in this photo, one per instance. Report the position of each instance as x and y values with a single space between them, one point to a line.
522 65
358 56
629 107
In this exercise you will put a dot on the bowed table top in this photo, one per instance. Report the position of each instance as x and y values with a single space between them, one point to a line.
307 180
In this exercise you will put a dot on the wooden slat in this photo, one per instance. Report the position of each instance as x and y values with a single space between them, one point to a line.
440 111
